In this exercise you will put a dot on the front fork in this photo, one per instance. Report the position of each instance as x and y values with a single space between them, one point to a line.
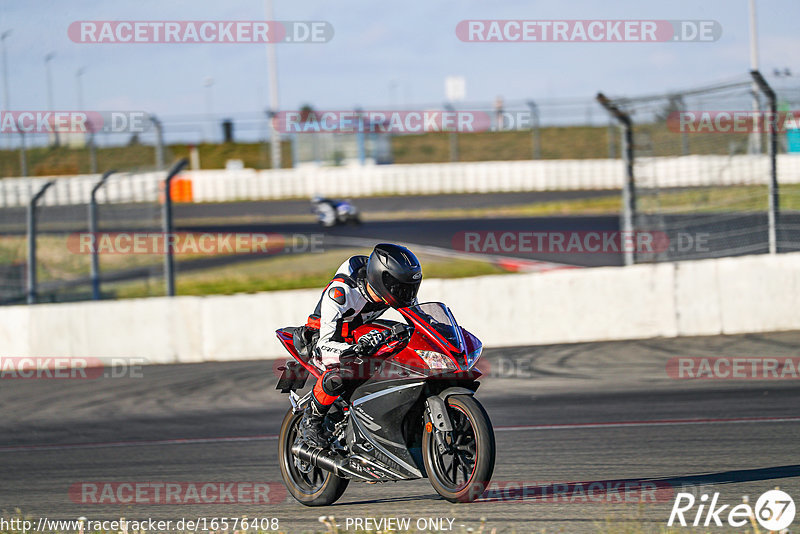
440 422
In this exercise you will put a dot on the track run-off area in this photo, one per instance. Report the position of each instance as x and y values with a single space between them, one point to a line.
588 435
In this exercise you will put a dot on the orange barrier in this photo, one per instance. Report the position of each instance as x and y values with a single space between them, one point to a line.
180 190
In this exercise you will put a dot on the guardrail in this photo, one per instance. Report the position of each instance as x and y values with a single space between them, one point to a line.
434 178
707 297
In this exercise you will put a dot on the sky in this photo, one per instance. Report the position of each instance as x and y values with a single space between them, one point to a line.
382 54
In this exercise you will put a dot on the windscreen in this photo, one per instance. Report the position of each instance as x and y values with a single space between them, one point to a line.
439 317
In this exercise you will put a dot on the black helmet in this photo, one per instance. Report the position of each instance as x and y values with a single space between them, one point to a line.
394 274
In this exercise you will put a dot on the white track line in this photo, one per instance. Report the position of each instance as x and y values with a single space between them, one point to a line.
667 422
112 444
515 428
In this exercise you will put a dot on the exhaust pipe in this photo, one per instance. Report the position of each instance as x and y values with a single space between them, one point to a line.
326 460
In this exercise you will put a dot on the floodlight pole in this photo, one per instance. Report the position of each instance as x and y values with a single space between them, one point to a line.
272 65
754 139
453 136
535 130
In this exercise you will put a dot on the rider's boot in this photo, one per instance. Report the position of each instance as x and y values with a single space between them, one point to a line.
311 425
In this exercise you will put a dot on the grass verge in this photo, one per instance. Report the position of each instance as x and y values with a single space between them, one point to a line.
557 142
300 271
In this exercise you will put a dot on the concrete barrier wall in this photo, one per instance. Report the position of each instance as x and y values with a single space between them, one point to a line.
122 187
477 177
708 297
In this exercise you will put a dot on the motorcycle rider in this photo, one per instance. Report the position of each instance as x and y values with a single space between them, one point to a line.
325 209
363 289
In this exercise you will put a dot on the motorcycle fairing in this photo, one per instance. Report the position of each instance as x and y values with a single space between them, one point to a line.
377 413
286 337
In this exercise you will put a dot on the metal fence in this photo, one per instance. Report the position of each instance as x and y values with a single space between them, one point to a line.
13 255
699 184
532 130
60 249
122 274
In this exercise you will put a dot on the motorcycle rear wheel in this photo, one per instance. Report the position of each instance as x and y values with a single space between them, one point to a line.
463 472
310 485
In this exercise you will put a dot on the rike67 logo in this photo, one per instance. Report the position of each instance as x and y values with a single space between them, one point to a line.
774 511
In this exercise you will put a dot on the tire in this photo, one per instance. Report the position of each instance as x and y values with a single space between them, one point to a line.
316 488
469 421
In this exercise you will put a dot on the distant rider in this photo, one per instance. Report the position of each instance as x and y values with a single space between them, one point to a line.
326 210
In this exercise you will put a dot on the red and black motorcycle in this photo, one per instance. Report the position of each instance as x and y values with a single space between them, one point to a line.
411 412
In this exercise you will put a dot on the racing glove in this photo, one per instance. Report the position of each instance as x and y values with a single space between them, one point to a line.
369 342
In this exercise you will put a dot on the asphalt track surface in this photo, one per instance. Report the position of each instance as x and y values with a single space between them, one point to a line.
727 234
583 413
448 234
440 233
391 203
76 214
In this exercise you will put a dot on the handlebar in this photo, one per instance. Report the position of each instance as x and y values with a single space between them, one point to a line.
396 333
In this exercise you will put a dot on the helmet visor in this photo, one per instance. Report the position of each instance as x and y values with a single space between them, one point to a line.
404 293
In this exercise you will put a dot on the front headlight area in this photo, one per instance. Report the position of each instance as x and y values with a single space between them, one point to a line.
436 360
474 356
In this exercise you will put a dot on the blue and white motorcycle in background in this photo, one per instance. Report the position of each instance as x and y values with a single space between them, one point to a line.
331 212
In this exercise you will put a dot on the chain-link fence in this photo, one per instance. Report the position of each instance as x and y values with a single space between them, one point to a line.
507 129
62 273
129 140
502 130
702 173
13 254
137 211
76 257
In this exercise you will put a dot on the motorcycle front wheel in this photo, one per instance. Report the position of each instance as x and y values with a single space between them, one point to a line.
463 471
308 484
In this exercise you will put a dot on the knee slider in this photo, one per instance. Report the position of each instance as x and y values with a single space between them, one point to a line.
333 382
